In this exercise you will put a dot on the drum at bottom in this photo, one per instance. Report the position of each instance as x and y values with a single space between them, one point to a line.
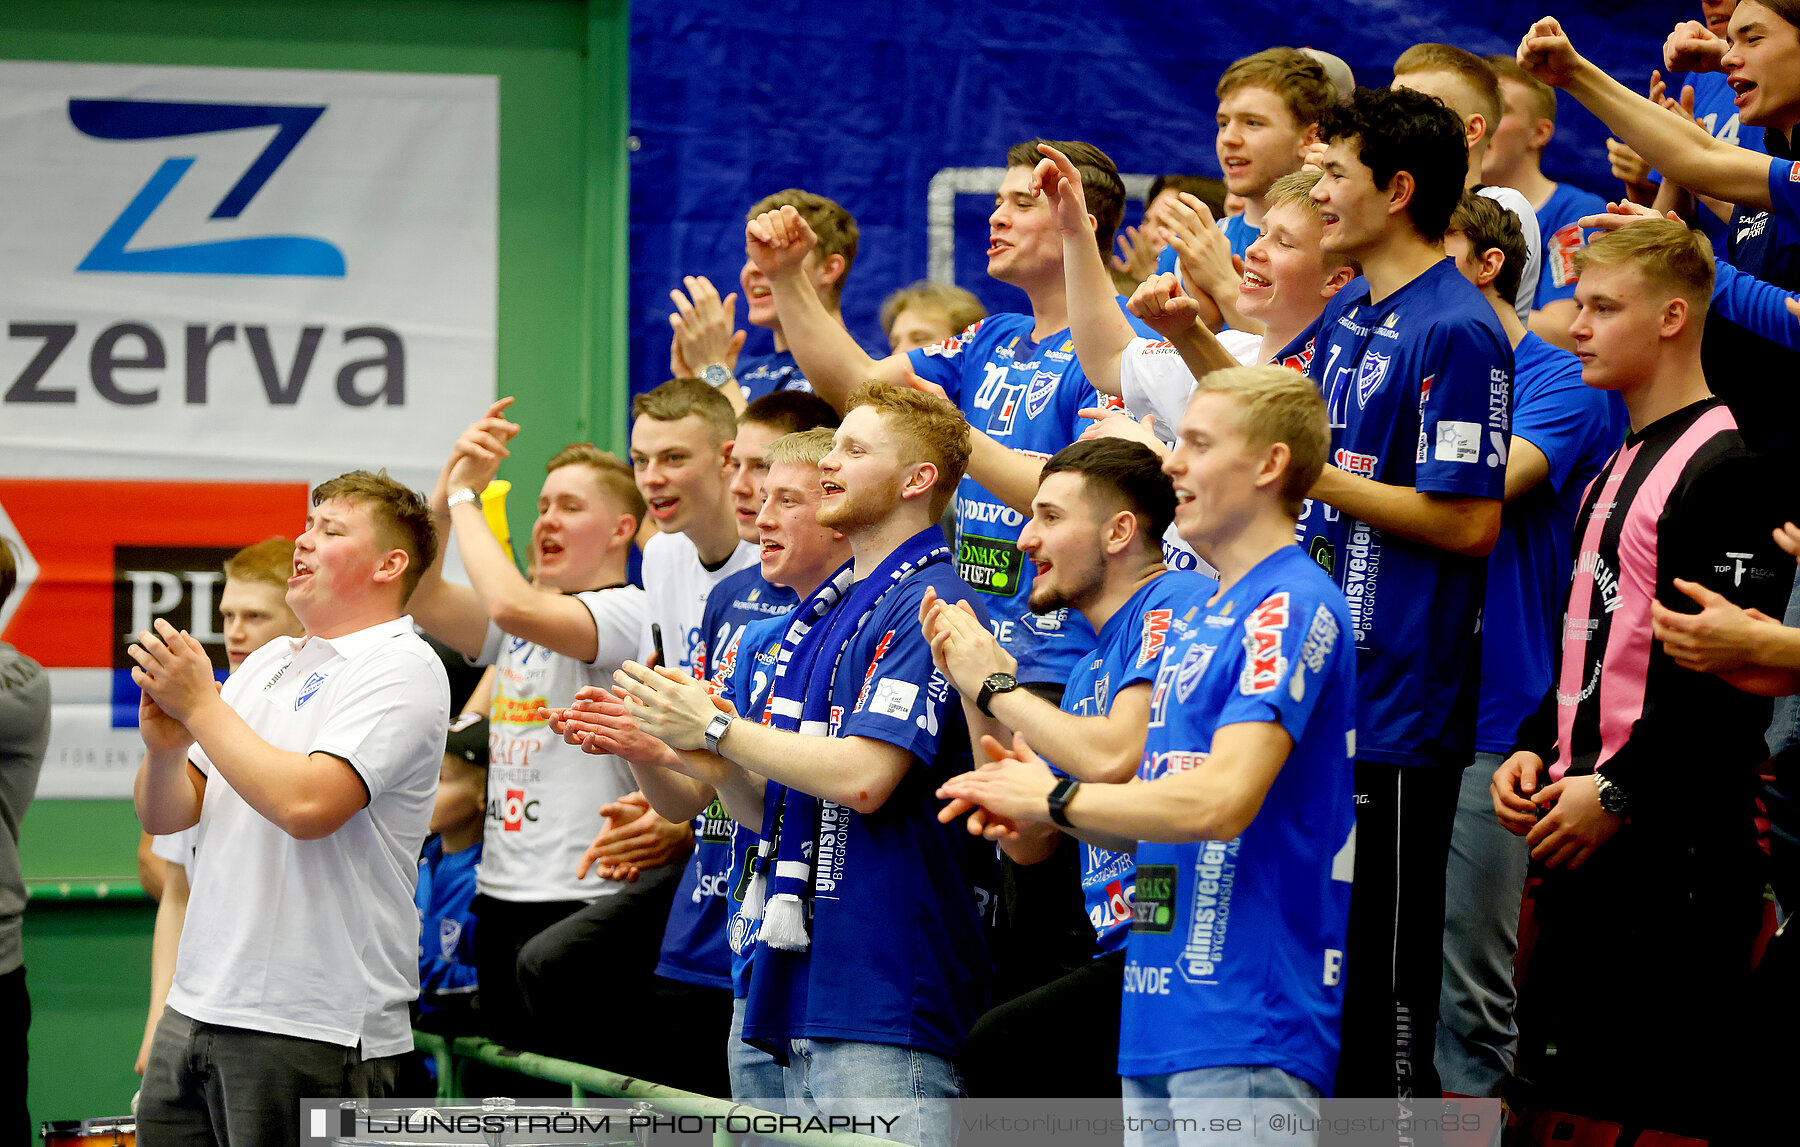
115 1132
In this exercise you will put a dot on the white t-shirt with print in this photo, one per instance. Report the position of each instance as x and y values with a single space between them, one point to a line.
320 938
1153 378
544 794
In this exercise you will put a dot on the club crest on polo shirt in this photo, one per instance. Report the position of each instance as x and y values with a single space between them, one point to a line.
307 690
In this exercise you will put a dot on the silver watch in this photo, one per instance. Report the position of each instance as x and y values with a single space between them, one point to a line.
715 375
715 729
458 497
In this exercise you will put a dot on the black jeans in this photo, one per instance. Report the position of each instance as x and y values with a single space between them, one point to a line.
15 1005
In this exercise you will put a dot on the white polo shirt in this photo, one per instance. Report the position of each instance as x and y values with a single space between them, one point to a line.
320 938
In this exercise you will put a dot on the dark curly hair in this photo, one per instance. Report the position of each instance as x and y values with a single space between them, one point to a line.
1396 130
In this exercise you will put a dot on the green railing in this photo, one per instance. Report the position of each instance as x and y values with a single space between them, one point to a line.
584 1082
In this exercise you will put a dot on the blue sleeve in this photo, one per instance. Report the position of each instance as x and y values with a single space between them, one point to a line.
1469 369
1784 188
1755 305
1564 418
946 363
902 695
1289 649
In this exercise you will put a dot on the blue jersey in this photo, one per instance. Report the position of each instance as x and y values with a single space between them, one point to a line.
897 954
1236 947
1562 238
768 373
446 926
736 601
1418 388
1131 645
1577 428
1025 396
749 674
1750 372
694 948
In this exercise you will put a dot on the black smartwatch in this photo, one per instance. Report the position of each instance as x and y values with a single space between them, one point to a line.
1059 799
996 683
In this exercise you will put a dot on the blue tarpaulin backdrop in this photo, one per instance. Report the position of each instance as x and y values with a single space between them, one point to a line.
864 102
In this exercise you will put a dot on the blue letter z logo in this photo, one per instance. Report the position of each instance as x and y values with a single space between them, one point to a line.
257 255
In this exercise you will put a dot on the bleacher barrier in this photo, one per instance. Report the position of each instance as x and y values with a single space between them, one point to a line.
585 1081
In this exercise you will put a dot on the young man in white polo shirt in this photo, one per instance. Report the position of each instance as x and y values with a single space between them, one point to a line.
311 776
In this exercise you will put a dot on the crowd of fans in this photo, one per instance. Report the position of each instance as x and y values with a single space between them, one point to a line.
1342 668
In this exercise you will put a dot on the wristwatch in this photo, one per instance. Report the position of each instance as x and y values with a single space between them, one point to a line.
458 497
1059 799
996 683
1612 797
715 729
715 375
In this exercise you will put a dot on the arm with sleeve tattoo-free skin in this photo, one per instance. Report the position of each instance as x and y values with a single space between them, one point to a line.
1216 802
458 616
1679 148
859 773
309 796
778 243
1460 524
1104 748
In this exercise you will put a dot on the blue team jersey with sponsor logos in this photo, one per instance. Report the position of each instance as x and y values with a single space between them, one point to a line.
897 953
1025 396
768 373
1562 238
747 674
1715 107
1419 392
1131 645
694 948
1577 428
1236 947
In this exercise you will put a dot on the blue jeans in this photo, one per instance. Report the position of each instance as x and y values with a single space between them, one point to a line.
1255 1091
756 1078
851 1078
1484 883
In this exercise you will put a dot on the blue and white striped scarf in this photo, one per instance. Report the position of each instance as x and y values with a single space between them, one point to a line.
800 702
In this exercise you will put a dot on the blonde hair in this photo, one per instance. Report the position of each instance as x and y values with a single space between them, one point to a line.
1669 255
1276 404
270 560
680 397
1475 73
611 474
802 447
960 306
935 427
401 515
1295 190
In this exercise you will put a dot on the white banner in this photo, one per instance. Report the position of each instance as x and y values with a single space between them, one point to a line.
221 285
223 272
